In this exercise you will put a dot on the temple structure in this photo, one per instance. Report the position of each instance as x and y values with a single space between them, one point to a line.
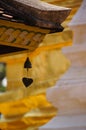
69 93
23 26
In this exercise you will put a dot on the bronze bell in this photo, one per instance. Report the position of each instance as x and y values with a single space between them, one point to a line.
27 63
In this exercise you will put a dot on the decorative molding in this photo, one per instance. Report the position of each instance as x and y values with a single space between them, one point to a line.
20 36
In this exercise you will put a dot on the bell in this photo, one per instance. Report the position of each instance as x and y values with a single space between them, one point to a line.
27 63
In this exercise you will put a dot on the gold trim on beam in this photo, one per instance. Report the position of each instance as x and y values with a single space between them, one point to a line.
20 35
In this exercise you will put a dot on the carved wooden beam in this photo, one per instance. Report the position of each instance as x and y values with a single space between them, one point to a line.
24 23
17 37
36 13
